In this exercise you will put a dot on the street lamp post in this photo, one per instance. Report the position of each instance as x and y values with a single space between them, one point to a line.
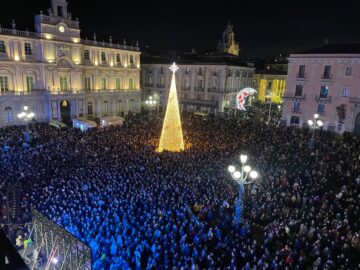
314 124
26 116
151 103
241 177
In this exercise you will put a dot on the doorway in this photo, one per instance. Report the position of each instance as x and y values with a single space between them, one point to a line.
65 111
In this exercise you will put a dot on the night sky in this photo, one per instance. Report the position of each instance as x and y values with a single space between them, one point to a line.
263 28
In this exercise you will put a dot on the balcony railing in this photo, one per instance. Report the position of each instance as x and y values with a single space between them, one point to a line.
159 85
323 98
4 56
326 77
71 24
185 88
296 110
301 76
354 100
149 85
199 88
209 103
23 93
212 89
30 57
294 97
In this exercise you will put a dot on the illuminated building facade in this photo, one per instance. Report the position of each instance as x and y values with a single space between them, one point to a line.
325 81
60 76
206 83
269 86
228 44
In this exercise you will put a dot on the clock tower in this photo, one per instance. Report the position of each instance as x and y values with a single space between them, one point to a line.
58 24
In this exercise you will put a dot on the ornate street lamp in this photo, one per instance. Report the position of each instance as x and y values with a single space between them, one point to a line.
242 178
26 116
314 124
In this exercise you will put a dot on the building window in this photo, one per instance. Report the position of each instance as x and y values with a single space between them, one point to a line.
327 72
8 116
28 50
29 83
63 83
296 107
161 70
198 97
102 83
106 107
345 92
4 84
301 71
348 71
294 120
87 83
187 71
90 110
324 91
118 58
321 109
200 71
131 83
131 59
213 98
103 57
185 95
200 84
298 90
162 81
118 83
214 83
119 105
86 55
269 85
2 46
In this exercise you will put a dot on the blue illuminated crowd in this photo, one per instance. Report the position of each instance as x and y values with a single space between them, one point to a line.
138 209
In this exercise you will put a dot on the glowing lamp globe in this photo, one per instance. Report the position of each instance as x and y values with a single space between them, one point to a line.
231 168
253 174
247 168
320 123
237 174
243 158
310 122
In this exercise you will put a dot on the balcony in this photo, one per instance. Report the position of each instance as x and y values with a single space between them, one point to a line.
354 100
149 85
87 62
160 85
212 89
4 56
294 97
207 103
199 88
326 77
296 110
185 88
301 76
30 57
323 99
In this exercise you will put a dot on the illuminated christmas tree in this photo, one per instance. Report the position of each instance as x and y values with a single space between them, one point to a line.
171 135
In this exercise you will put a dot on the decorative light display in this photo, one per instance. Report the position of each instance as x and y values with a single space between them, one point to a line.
171 135
242 95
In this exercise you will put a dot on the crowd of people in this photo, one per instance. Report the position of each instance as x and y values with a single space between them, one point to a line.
139 209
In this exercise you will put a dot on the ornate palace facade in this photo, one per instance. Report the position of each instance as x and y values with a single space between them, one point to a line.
60 76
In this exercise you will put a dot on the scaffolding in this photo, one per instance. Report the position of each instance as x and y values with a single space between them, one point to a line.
58 244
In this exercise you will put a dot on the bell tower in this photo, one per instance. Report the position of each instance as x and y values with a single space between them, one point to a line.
228 43
59 8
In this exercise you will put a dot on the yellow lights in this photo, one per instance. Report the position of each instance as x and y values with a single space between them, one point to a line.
16 58
50 61
111 64
138 65
125 65
171 135
76 40
47 36
96 63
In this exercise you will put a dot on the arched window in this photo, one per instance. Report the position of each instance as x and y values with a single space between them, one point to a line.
90 109
8 116
294 120
28 50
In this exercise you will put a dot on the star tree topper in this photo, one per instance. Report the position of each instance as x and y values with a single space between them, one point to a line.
174 68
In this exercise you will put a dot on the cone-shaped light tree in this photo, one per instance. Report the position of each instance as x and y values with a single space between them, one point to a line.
171 135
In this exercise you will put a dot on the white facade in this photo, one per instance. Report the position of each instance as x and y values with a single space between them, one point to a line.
60 76
326 84
209 88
